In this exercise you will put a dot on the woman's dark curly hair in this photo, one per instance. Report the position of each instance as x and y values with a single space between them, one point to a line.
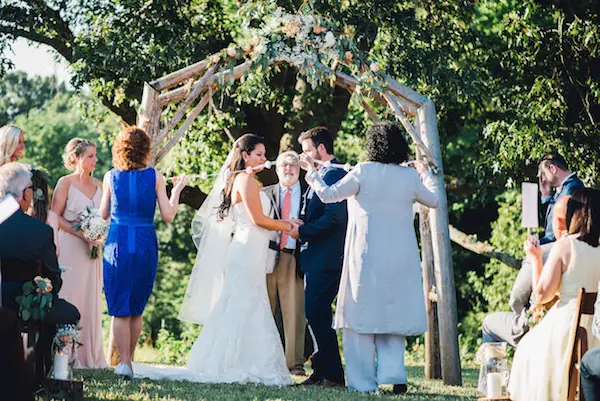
386 144
245 143
131 150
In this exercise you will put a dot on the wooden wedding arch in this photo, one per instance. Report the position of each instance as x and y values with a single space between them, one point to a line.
191 89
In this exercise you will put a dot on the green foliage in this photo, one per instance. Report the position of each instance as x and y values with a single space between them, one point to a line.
174 349
497 280
48 129
19 94
36 300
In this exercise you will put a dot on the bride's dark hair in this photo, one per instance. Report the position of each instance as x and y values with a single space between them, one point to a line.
245 143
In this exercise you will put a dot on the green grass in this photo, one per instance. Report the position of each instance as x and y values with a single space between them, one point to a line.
104 385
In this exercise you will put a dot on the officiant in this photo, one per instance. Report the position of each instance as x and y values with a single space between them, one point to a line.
286 280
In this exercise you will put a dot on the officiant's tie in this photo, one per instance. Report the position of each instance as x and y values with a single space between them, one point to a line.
286 208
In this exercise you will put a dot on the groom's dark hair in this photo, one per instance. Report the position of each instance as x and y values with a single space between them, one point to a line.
318 135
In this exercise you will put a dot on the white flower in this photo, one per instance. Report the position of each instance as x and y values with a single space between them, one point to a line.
203 175
260 49
227 172
268 164
231 52
249 170
374 67
347 167
329 40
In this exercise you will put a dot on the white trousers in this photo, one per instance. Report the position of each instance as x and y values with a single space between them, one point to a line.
373 359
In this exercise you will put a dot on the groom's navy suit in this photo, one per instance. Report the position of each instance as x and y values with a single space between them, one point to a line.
322 251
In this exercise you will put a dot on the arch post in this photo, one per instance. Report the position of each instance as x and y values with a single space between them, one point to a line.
442 255
149 117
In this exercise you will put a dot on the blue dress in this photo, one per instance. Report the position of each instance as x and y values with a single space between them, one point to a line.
131 248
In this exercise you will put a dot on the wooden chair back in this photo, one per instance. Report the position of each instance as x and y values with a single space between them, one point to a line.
578 344
18 271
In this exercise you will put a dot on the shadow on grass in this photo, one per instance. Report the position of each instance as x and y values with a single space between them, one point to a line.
104 385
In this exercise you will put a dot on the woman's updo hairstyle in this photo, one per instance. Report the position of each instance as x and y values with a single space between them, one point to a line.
74 150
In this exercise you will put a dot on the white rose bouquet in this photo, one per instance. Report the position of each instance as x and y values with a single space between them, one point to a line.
93 226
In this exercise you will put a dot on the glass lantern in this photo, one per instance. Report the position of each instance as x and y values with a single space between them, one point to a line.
494 371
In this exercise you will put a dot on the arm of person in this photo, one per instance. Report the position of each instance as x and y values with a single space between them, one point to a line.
546 278
49 262
52 221
333 215
426 190
339 191
59 203
249 192
105 202
169 206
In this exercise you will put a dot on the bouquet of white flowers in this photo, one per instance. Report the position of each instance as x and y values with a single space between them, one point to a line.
93 227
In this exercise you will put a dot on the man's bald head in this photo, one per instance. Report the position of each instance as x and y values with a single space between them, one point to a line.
559 217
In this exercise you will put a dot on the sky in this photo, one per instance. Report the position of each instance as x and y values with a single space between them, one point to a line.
38 60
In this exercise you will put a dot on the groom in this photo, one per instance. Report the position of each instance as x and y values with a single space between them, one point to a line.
322 237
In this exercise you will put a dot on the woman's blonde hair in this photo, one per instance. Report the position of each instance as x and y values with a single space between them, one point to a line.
9 140
74 150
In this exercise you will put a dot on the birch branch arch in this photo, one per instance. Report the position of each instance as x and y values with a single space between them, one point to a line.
307 41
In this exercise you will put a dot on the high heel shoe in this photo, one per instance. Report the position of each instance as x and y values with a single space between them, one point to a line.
124 371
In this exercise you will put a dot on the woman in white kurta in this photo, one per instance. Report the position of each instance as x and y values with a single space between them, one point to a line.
381 299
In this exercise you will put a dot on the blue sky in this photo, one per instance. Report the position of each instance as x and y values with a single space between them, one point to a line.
38 60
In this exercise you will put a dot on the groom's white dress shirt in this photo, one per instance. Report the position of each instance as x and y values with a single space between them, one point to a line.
296 196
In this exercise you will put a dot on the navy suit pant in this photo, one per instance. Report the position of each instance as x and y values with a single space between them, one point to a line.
321 289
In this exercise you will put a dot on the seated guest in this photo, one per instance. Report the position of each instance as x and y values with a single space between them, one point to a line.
511 326
26 241
539 366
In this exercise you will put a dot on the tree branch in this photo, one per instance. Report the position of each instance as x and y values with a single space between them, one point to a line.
481 248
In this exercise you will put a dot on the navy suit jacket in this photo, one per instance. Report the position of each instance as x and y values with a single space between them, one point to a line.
324 231
570 185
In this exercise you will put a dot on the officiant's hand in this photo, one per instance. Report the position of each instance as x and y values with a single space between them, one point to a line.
545 188
532 248
306 162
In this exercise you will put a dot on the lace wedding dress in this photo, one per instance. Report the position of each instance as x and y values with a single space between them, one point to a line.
239 342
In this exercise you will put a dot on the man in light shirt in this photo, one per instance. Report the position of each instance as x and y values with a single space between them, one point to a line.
286 281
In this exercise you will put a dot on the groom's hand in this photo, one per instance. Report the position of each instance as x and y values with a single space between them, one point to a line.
294 232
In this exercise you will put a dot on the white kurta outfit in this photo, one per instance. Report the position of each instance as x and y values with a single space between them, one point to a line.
381 299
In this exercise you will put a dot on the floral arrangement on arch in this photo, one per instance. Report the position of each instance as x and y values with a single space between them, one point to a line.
317 46
36 300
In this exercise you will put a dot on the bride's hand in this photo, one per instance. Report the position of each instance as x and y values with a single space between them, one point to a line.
306 162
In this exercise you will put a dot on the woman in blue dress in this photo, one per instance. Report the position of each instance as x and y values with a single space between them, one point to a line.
131 191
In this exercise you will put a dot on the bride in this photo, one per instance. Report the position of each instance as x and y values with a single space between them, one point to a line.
239 341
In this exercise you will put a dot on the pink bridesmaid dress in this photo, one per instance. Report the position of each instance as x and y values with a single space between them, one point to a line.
82 282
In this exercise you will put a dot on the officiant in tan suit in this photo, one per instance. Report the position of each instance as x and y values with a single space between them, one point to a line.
286 280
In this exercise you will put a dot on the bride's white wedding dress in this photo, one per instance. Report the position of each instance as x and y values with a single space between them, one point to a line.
239 342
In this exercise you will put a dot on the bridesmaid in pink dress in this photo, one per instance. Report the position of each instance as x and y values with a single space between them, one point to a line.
82 282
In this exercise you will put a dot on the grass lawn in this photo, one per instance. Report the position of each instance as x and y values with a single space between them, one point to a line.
104 385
